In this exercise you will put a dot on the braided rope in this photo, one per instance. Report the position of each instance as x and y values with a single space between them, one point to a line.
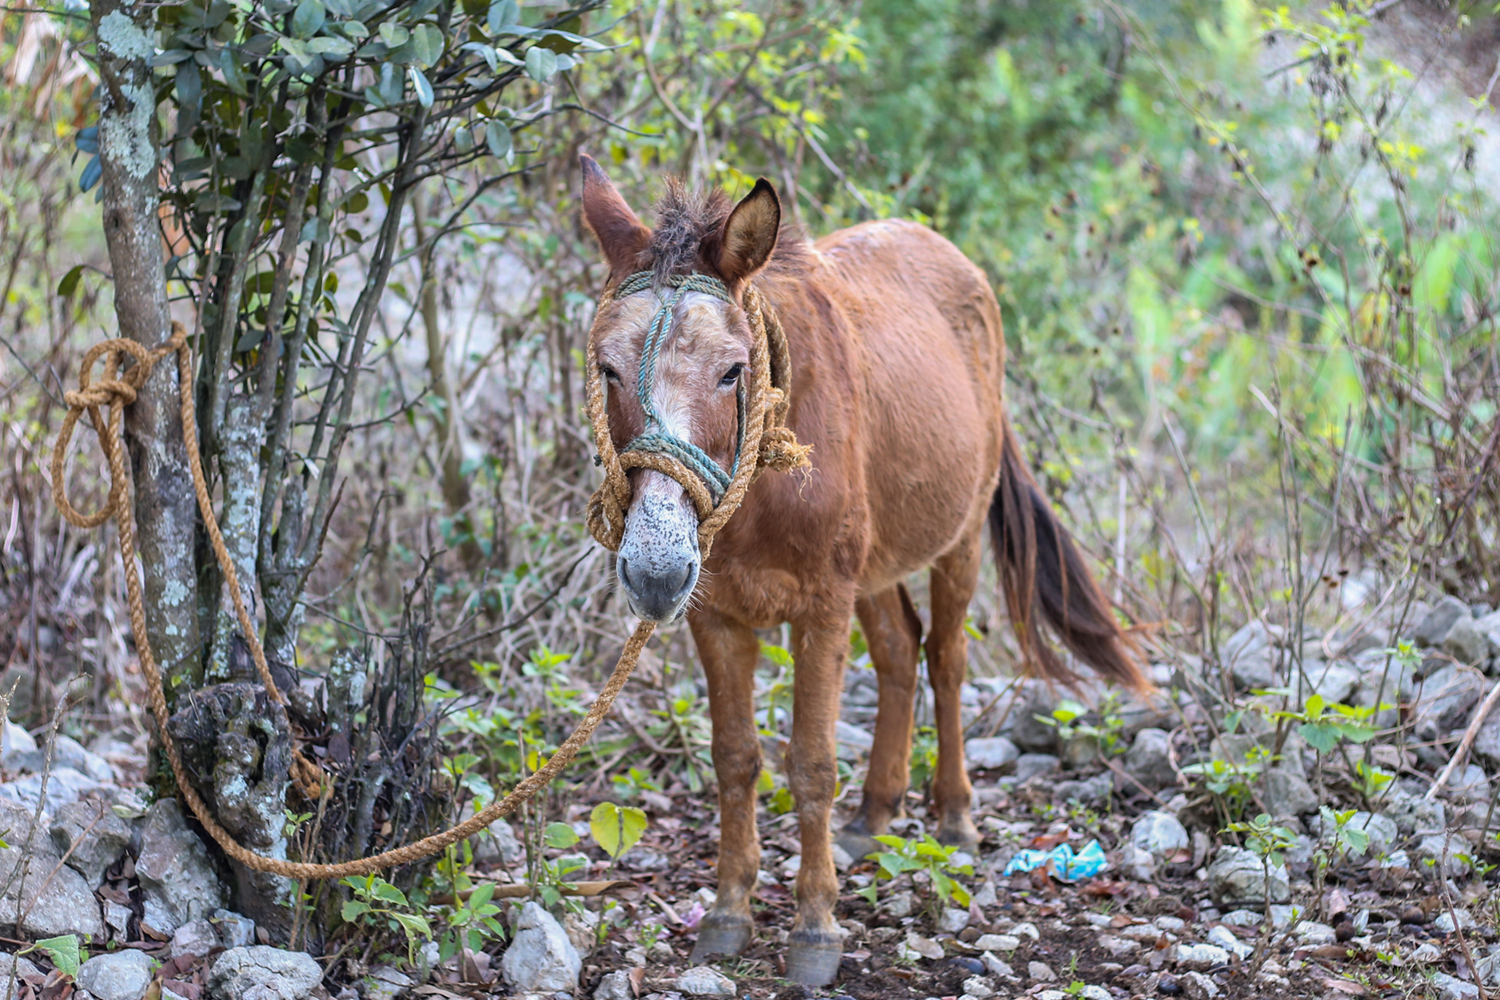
763 408
763 400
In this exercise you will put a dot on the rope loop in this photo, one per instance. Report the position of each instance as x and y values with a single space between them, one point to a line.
763 399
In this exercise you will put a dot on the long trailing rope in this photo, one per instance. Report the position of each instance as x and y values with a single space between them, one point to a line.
763 434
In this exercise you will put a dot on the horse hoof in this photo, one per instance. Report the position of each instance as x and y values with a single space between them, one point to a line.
721 935
813 959
959 831
856 844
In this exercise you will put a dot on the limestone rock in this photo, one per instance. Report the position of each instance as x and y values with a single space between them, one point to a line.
1287 794
385 982
1445 702
197 938
1149 760
93 833
1466 643
1238 877
1434 626
1250 658
540 958
615 986
1159 833
262 973
175 870
11 968
1030 765
992 753
117 975
706 981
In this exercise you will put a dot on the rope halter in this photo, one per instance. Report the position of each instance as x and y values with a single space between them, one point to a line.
762 395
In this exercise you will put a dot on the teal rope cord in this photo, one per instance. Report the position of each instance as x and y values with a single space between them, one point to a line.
656 438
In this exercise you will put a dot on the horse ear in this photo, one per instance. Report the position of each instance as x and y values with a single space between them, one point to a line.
750 233
621 235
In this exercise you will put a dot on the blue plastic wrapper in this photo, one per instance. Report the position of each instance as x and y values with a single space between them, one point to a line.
1061 862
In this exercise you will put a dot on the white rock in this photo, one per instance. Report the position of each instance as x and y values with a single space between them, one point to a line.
1040 972
1095 993
1224 938
1201 956
1311 932
1238 876
1451 988
540 958
997 942
1027 929
615 986
120 975
1198 986
385 982
979 987
1444 921
997 966
262 973
12 967
174 870
916 944
953 920
991 753
197 937
706 981
1118 947
1243 918
235 931
1159 833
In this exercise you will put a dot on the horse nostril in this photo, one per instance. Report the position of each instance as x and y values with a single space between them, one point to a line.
625 575
683 583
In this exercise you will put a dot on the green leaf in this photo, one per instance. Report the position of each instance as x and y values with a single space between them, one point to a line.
615 829
560 835
308 18
421 86
426 44
388 893
69 283
64 953
480 897
354 909
393 34
540 63
502 14
337 49
1320 736
414 926
234 75
498 138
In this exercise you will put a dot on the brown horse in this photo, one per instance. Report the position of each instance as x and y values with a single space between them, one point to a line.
898 362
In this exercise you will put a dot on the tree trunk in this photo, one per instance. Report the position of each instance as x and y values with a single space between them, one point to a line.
165 508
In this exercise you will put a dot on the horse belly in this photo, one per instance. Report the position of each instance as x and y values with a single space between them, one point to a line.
933 459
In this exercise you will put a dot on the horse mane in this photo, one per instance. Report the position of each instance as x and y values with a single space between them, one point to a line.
688 224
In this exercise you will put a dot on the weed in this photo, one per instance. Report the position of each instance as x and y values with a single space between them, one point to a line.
926 856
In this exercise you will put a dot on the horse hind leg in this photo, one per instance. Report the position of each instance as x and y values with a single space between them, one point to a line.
728 652
955 574
893 633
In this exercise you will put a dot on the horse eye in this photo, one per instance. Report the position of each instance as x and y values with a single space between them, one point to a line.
609 373
731 376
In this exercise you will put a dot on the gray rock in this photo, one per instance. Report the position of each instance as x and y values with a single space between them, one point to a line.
1040 972
1224 938
706 981
1201 956
1466 643
1031 765
1381 829
1159 833
1453 988
899 904
385 982
1446 851
1487 740
197 937
12 967
66 752
174 869
234 930
1149 760
1029 733
1414 814
498 845
62 786
1334 681
118 975
1235 749
853 742
93 833
540 958
1087 792
1237 877
14 740
1469 784
1489 627
615 986
1198 985
1434 626
262 973
1444 703
53 899
1138 863
1250 657
1445 922
992 753
979 987
1287 794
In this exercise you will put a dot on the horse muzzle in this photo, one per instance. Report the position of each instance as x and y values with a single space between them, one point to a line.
658 563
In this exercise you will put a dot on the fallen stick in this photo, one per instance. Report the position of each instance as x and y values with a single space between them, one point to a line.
520 890
1470 735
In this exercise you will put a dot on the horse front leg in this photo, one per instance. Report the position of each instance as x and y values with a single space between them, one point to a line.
728 651
820 646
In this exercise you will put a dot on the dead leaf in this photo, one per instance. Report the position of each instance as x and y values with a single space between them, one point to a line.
637 977
1346 986
1336 902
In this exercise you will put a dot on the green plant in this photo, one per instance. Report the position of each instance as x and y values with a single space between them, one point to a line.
1070 719
1230 784
1324 724
633 782
63 951
471 922
1264 839
616 829
924 855
924 756
379 905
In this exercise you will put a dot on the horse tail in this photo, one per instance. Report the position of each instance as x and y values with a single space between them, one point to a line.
1045 577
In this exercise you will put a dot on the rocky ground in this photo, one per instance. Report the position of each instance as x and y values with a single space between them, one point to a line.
1405 906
